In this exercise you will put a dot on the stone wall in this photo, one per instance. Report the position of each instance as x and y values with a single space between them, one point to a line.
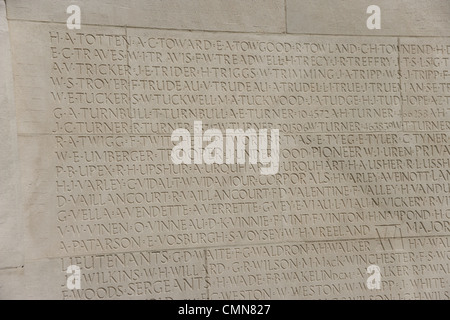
89 178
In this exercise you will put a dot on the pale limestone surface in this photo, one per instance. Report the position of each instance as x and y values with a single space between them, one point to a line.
10 205
231 15
398 18
364 138
12 284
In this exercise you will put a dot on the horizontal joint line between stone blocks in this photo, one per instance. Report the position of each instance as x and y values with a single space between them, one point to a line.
152 28
233 32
